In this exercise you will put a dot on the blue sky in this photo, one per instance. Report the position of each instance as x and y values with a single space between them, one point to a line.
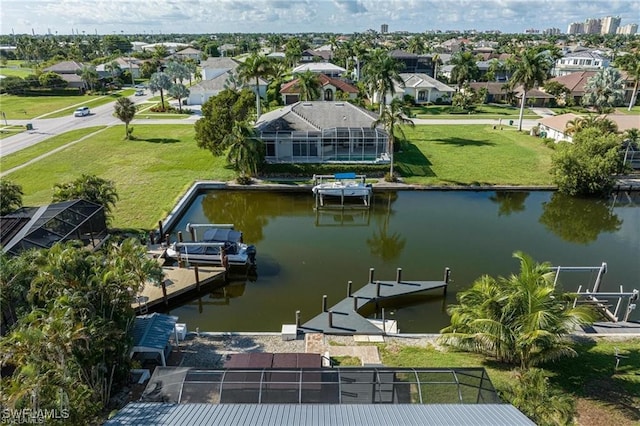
292 16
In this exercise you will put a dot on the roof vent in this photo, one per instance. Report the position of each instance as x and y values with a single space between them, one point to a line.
339 104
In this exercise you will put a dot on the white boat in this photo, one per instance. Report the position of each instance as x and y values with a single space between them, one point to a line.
343 185
208 250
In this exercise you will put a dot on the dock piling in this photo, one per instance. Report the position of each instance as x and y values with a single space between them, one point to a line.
161 231
447 276
195 270
355 303
192 231
324 303
164 293
297 319
399 275
371 270
330 319
377 288
349 288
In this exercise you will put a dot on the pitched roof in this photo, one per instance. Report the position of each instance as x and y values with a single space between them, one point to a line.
493 87
558 122
222 62
575 81
65 67
318 67
292 86
215 84
188 51
421 80
314 116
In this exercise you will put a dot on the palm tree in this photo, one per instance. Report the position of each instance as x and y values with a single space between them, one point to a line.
391 119
520 319
179 91
10 196
160 81
246 151
630 63
604 90
382 74
465 68
579 124
177 71
125 110
89 75
113 68
309 86
90 188
530 70
255 67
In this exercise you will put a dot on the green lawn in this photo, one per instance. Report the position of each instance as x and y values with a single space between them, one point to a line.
472 155
27 107
481 111
150 173
590 377
13 68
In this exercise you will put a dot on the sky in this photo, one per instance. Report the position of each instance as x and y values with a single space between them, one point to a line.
296 16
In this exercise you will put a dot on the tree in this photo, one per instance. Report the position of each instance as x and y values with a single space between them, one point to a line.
464 69
382 74
90 188
255 67
604 90
246 150
530 70
51 80
558 90
532 394
586 166
115 44
309 86
630 63
159 82
89 75
391 119
125 110
113 68
10 196
177 71
521 319
218 115
179 91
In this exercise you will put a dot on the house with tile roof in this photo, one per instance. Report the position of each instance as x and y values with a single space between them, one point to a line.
422 88
69 71
555 126
325 68
330 89
189 53
575 82
322 132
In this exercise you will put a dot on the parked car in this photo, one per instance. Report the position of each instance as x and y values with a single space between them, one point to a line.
139 92
82 111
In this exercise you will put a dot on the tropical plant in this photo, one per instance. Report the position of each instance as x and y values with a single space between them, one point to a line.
51 80
531 70
465 68
630 63
604 90
586 166
113 68
179 91
89 75
601 123
382 75
177 71
532 394
253 68
309 86
125 110
521 319
10 196
90 188
246 150
159 82
392 119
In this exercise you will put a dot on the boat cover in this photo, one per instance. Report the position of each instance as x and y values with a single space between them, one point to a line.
345 175
222 235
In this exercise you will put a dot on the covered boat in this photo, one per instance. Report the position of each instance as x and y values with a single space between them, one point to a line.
342 185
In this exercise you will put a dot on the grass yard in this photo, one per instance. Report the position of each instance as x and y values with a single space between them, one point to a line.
98 101
14 68
477 154
603 395
150 173
481 111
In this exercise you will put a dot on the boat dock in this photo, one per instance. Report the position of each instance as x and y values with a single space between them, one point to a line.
177 281
344 317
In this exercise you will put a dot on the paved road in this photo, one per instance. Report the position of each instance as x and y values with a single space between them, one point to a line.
44 128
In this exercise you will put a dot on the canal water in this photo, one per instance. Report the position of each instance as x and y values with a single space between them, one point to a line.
304 253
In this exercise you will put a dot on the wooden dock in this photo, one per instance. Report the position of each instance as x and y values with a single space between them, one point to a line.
177 281
344 317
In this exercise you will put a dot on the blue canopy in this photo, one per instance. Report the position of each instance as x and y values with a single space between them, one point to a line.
151 333
345 175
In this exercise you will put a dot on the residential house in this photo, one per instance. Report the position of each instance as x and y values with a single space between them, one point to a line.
325 68
330 87
422 88
496 92
171 47
554 127
412 63
189 53
535 97
311 55
70 72
577 61
575 82
125 63
322 132
227 49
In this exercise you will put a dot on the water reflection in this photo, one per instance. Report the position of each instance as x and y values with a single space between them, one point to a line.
385 245
509 201
578 220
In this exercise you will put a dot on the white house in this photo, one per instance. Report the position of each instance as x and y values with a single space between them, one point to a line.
325 68
422 87
583 60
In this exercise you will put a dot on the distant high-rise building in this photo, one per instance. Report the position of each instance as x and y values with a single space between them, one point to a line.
576 28
629 29
592 26
384 29
531 31
551 31
609 25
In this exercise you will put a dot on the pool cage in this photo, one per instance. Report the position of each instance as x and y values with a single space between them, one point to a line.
332 145
42 227
352 385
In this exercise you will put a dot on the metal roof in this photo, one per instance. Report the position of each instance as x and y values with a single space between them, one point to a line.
319 414
151 332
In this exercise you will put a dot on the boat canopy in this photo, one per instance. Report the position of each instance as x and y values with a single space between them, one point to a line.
222 235
345 175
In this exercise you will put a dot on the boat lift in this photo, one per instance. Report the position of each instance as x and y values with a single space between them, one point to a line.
320 198
601 299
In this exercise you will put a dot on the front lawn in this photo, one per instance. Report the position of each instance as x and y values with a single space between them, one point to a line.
472 155
480 111
15 68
